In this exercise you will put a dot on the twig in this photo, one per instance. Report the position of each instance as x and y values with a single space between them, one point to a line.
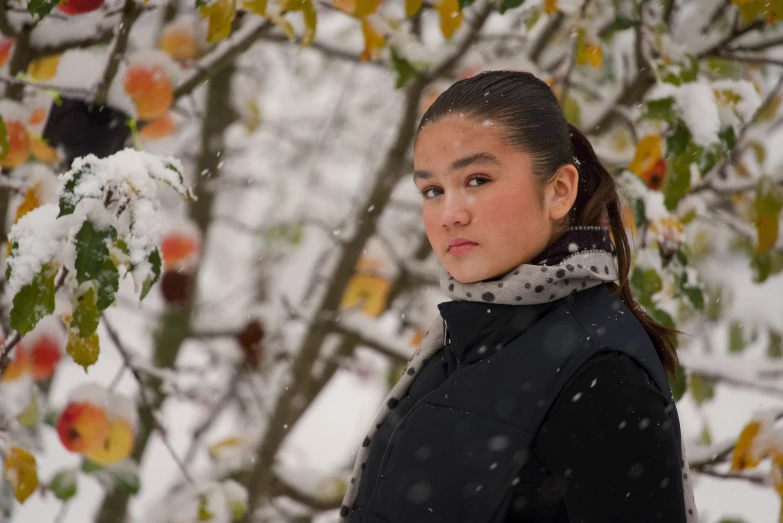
569 72
105 36
143 396
729 55
547 33
757 479
735 33
210 419
130 13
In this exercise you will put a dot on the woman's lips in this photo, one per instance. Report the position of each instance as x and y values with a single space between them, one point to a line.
465 247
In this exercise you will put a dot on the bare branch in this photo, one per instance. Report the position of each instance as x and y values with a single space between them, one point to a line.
143 396
224 54
130 13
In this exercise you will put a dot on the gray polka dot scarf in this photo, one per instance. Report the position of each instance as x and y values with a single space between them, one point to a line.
582 258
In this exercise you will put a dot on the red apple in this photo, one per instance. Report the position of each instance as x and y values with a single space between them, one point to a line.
83 427
77 7
44 357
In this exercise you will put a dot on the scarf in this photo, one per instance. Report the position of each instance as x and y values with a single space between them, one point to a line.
582 258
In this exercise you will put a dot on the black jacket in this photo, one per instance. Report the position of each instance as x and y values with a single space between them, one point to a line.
559 412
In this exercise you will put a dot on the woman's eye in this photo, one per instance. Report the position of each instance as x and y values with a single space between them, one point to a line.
481 179
427 192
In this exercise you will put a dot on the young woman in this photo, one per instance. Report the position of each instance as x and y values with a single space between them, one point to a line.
540 395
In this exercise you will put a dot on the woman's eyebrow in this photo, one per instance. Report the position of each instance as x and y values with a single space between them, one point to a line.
483 158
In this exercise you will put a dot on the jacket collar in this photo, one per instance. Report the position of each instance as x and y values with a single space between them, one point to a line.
476 330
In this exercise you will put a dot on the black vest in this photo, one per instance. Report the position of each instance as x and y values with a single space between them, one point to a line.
452 454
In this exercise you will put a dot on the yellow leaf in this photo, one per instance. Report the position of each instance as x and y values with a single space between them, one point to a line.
373 42
29 416
42 150
255 6
587 51
44 68
745 454
369 292
284 26
29 202
220 15
229 443
767 227
412 7
366 7
310 17
84 351
777 473
648 152
21 472
550 6
349 6
450 16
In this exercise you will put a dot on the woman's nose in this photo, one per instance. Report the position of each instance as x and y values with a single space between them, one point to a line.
455 212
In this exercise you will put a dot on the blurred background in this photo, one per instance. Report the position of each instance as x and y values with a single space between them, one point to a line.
292 285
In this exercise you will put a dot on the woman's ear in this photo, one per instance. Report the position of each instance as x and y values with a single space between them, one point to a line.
561 192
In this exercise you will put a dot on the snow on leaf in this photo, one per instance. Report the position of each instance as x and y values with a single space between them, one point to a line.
236 498
125 475
68 183
21 472
35 241
34 301
92 250
63 484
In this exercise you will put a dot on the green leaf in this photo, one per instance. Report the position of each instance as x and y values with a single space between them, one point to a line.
155 261
639 212
737 340
678 176
572 111
728 137
89 467
706 435
108 284
678 141
766 264
51 417
14 247
34 301
68 200
86 315
662 109
678 384
5 147
733 520
41 8
664 318
92 251
203 512
126 476
645 283
689 69
620 23
63 484
505 5
702 389
405 71
775 347
29 416
465 3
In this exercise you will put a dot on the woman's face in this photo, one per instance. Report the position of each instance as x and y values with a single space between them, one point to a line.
480 192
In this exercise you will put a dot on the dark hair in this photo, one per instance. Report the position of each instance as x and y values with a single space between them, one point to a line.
526 108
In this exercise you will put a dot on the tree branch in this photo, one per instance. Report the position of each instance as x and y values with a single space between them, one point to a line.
547 33
130 13
224 54
144 400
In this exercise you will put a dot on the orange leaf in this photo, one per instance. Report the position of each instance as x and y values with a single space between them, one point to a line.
550 6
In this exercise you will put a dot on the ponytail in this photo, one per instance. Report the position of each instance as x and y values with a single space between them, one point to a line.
596 203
